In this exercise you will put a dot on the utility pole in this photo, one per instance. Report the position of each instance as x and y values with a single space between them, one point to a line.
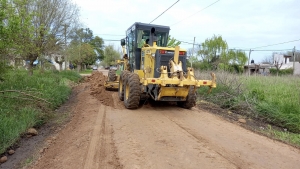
248 62
294 52
65 33
193 53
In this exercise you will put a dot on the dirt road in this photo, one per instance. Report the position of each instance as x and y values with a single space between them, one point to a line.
106 135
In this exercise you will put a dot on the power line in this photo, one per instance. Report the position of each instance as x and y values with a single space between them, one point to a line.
262 50
196 12
188 42
164 11
109 34
276 44
274 50
110 40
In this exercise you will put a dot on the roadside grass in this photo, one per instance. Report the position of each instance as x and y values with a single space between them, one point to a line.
274 100
26 101
282 135
277 100
87 71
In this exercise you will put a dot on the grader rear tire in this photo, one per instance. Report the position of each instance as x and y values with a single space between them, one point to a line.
132 93
123 76
190 100
112 75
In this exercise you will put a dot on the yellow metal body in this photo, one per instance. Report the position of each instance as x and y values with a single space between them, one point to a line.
115 84
177 85
172 84
112 84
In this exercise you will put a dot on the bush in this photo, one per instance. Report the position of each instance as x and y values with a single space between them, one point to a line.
281 72
229 93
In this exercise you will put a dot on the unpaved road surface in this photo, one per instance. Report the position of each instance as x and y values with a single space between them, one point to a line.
105 135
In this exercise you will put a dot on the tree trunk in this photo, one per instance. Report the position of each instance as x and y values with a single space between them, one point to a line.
42 67
78 67
30 68
60 66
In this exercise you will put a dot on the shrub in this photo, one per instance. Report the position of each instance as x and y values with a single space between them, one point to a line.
281 72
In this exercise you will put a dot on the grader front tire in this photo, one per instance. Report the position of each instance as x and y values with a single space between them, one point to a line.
132 91
112 75
190 100
123 77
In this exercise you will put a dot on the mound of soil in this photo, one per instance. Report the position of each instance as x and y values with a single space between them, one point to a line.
97 80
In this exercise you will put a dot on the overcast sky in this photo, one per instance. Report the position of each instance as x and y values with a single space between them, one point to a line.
244 24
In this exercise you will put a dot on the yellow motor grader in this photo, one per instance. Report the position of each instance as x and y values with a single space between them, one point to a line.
155 70
112 82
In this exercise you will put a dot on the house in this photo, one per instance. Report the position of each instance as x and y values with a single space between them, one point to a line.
262 69
287 62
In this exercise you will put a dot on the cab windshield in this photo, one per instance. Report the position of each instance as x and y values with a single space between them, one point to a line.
143 35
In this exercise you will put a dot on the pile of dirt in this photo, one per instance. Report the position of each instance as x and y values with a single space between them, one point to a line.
97 80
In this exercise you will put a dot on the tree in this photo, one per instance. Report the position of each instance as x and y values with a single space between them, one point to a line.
236 57
277 64
53 49
172 42
213 50
98 45
8 28
80 54
110 55
82 35
40 21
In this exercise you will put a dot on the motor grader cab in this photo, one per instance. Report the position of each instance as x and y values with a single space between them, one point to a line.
157 71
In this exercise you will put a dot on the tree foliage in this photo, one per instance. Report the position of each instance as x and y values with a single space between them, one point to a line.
36 26
172 42
110 55
81 54
82 35
214 52
98 45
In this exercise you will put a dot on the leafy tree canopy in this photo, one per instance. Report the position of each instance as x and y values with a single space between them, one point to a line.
172 42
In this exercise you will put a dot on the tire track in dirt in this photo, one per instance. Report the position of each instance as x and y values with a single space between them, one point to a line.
147 139
98 132
219 150
87 141
102 152
239 146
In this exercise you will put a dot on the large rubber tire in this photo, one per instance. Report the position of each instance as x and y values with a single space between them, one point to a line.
190 100
132 92
112 75
123 76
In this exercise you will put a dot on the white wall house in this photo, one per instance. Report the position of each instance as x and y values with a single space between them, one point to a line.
286 62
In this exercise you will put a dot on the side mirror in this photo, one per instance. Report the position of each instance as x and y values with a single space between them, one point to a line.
122 42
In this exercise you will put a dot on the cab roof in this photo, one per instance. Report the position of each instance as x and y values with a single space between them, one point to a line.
146 26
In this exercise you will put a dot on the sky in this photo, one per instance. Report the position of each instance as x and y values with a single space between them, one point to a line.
244 24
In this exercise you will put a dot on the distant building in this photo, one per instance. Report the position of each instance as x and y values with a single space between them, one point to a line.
261 69
287 62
